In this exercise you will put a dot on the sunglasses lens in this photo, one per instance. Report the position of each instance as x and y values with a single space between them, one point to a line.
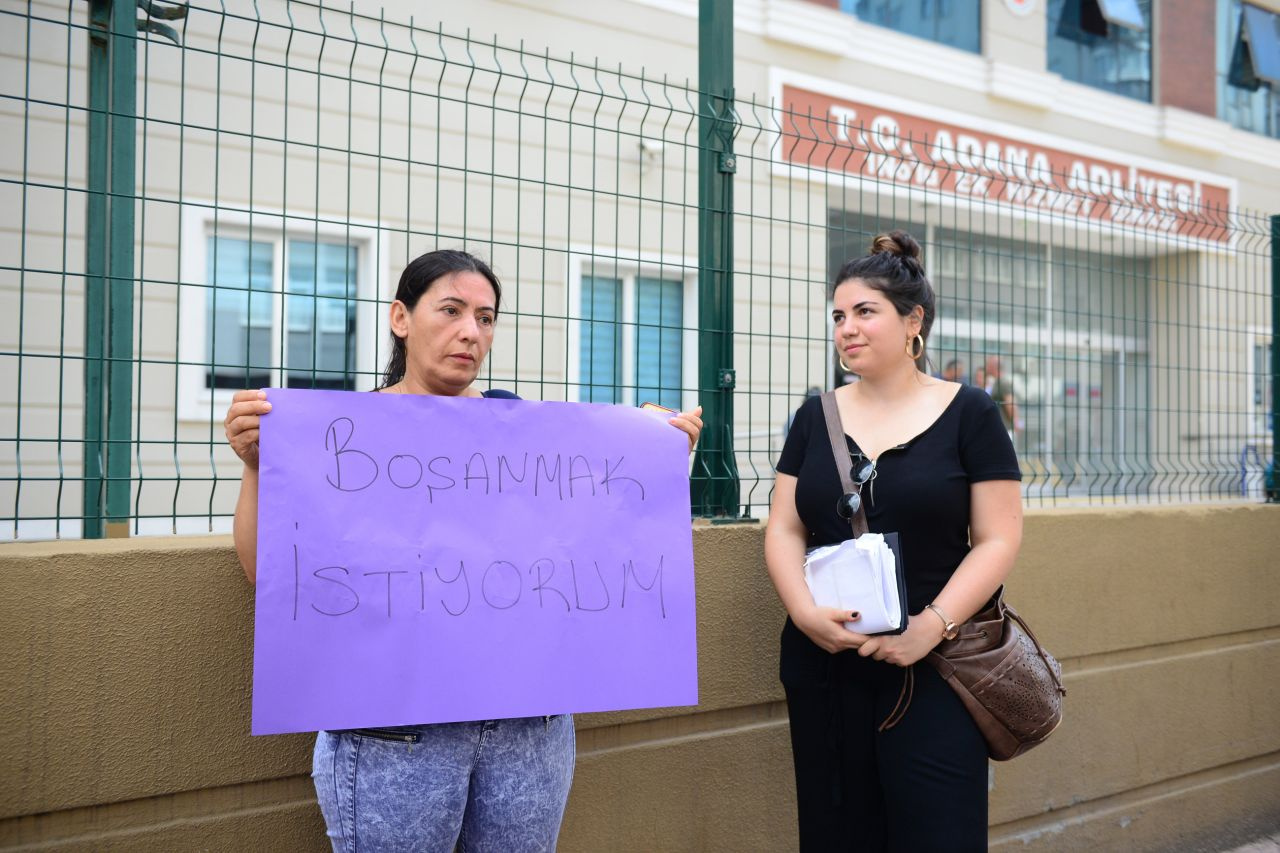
847 506
862 470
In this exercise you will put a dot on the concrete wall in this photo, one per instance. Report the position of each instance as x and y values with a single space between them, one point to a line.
126 673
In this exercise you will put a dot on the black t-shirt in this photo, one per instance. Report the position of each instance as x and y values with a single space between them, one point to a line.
920 490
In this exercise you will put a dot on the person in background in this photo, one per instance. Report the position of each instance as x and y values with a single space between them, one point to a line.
946 481
811 391
484 785
953 371
1000 389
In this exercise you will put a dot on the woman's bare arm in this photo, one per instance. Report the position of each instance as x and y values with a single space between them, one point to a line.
995 534
245 528
242 423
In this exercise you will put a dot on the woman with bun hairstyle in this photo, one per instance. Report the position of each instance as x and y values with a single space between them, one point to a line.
946 480
479 785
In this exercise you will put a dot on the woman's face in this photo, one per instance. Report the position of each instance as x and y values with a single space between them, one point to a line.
448 333
869 333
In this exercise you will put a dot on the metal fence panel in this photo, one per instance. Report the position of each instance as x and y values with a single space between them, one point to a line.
291 158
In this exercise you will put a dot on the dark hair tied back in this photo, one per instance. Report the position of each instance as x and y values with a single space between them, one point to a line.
896 243
417 278
902 246
894 267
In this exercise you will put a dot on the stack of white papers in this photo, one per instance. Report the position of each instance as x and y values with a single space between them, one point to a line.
857 574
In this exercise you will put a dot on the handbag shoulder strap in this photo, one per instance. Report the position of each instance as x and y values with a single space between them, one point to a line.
844 462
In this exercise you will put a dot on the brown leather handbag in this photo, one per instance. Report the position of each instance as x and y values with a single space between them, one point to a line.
1010 684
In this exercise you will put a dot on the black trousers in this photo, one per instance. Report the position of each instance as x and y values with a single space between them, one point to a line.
920 786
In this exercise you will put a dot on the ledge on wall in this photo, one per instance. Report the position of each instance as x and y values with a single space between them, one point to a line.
1192 130
1021 85
808 25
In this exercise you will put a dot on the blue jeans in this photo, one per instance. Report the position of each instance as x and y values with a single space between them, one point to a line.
493 785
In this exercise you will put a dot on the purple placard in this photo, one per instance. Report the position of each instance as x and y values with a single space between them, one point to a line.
433 559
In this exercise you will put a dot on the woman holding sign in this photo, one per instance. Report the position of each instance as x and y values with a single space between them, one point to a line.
482 785
933 464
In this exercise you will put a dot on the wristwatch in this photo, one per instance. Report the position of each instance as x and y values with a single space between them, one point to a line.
949 629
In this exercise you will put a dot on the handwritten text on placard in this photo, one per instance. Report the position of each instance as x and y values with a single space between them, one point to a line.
425 559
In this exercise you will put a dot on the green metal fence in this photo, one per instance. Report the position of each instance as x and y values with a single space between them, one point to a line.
228 204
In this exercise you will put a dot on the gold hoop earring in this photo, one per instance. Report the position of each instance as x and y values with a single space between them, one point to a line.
911 347
846 368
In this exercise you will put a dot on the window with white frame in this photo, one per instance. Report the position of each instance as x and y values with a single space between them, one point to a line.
634 338
278 306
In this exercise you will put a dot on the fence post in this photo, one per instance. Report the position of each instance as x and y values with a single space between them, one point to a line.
715 490
95 261
109 249
1273 466
124 95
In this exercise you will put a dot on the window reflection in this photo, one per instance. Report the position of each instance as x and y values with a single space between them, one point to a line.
951 22
1084 45
1248 108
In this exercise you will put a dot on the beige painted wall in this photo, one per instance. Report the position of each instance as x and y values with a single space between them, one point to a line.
127 678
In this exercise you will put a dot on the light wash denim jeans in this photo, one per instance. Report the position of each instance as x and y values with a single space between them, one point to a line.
493 785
